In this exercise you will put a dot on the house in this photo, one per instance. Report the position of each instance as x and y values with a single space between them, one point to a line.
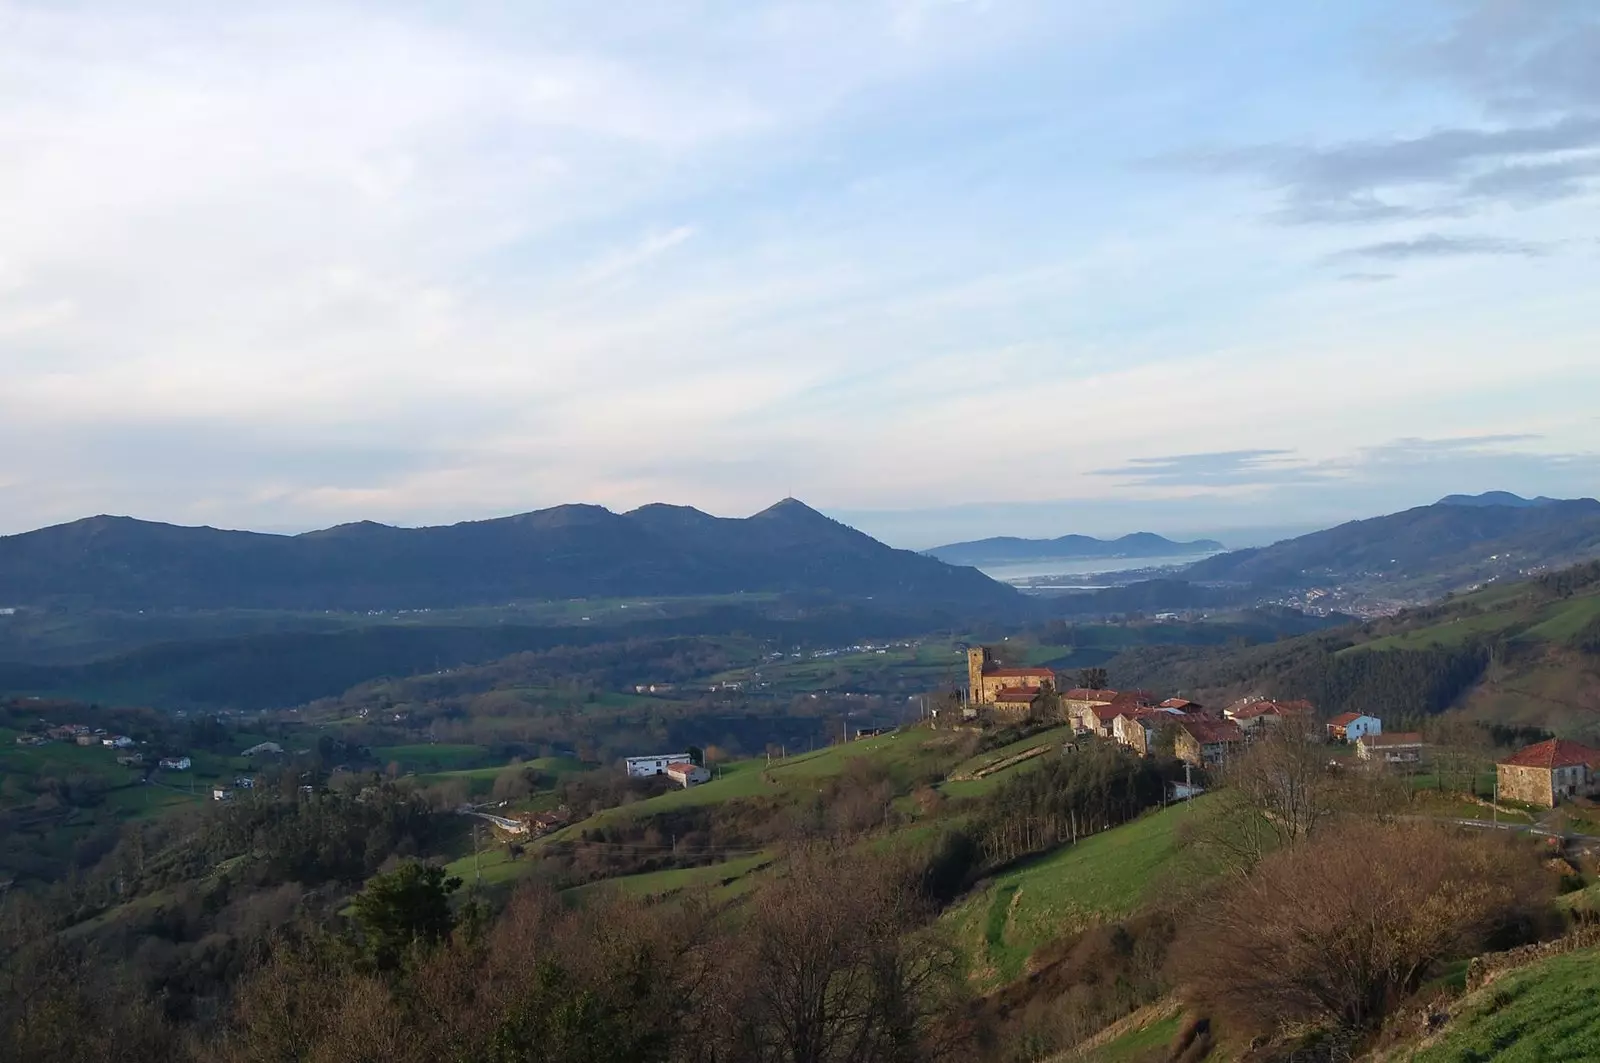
1202 741
221 793
264 747
1015 701
1402 747
656 764
1254 714
1545 773
176 763
1138 729
131 760
118 742
1349 726
244 782
87 740
32 740
688 773
986 679
1182 705
1078 705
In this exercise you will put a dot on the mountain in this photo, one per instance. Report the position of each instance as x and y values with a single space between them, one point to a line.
571 551
1067 548
1498 498
1440 547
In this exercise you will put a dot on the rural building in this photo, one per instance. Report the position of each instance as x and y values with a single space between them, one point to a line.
687 774
1015 701
657 764
1349 726
1202 741
1402 747
244 782
87 740
1545 773
1254 714
1138 729
130 760
265 747
986 679
31 740
176 763
1182 705
221 793
118 742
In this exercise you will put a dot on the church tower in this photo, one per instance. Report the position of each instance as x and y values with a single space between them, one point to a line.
977 657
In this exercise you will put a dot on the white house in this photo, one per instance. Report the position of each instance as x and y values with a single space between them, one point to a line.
118 742
176 763
1352 726
221 793
644 767
688 774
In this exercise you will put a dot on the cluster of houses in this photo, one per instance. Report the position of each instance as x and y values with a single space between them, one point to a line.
80 734
679 767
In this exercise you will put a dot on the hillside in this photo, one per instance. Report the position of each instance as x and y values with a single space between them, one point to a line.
1068 548
1427 550
1524 654
566 552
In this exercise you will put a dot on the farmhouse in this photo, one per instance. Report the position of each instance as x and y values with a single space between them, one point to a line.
1545 773
1254 714
1349 726
986 679
1201 741
1138 728
656 764
176 763
1402 747
688 774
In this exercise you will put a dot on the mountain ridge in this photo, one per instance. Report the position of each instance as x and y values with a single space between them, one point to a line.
568 551
1004 548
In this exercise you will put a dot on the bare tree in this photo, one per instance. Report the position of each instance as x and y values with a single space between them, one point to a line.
1337 930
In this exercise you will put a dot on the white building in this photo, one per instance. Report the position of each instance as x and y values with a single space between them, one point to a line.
1353 726
688 774
221 793
644 767
176 763
265 747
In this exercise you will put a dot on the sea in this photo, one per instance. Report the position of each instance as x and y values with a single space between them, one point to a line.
1015 571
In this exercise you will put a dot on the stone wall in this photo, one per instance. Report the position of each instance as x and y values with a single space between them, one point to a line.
1529 785
1486 968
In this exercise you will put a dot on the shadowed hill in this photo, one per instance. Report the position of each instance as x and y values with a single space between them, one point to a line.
1447 541
568 551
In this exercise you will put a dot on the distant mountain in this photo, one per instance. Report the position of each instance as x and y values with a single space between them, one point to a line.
1067 548
1498 498
1447 543
569 551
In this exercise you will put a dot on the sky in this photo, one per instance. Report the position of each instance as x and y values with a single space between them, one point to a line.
940 268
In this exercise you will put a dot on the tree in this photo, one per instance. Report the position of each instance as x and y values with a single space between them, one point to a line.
1338 930
1046 704
1281 792
1093 678
403 909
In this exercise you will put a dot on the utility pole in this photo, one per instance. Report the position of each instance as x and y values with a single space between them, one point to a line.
477 858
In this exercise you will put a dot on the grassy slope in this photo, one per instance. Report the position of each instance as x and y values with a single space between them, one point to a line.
1104 877
1547 1011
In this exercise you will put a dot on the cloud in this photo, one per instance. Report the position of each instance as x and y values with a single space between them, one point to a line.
1228 468
1366 278
1435 245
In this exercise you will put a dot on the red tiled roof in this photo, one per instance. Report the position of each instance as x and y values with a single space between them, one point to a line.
1016 694
1211 732
1399 738
1554 753
1297 706
1085 694
1019 673
1107 713
1138 697
681 767
1345 719
1180 703
1256 709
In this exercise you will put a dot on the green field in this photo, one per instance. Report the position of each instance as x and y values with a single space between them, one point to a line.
1103 877
1149 1043
424 757
727 879
1547 1011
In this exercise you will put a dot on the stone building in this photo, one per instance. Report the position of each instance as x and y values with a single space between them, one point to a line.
1207 742
1545 773
986 679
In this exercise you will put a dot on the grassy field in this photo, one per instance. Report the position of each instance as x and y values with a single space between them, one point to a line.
424 757
1104 877
1547 1011
727 879
1138 1046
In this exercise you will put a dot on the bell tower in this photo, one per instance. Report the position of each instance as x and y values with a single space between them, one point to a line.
977 657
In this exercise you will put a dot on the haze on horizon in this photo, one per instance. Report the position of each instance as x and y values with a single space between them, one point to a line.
940 269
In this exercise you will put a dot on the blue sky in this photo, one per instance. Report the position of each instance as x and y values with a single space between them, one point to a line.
941 268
